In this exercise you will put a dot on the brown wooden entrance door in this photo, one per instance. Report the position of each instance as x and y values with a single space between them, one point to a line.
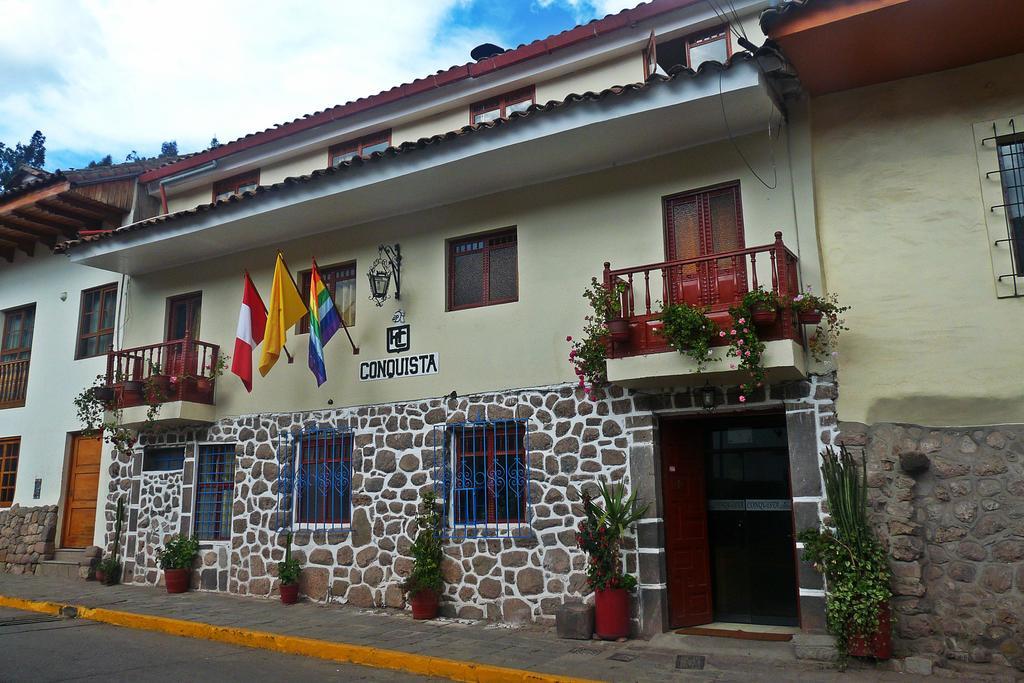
700 224
686 526
83 486
183 314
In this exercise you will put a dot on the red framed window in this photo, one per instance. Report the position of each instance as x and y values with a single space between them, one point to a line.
19 324
363 147
340 280
215 487
8 469
483 270
243 182
96 321
708 46
502 106
323 480
491 473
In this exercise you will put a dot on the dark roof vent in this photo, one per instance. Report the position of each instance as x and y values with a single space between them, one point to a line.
486 50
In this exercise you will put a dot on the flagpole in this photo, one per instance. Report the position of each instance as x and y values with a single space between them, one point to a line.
355 349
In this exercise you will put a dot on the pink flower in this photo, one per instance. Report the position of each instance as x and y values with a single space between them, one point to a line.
743 399
741 321
586 390
739 342
722 333
568 338
732 332
746 330
732 366
746 353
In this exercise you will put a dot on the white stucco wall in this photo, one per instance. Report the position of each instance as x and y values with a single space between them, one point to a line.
48 418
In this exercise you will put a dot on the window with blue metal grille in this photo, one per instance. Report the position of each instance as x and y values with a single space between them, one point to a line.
483 476
163 459
315 479
215 486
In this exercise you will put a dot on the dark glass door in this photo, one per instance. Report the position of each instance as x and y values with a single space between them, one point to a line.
750 525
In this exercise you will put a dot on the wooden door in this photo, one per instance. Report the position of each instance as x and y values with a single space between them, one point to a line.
686 525
183 313
700 224
83 486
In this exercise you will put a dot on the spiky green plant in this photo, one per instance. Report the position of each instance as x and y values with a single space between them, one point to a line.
846 487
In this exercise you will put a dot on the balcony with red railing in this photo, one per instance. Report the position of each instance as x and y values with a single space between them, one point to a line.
13 383
714 282
174 374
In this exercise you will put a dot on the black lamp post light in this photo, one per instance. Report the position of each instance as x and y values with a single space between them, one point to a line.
387 265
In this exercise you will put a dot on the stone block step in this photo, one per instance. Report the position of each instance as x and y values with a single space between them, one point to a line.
55 568
75 555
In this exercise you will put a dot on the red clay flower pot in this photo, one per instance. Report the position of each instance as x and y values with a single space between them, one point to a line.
611 613
424 604
809 317
289 593
619 329
763 315
878 645
101 576
177 580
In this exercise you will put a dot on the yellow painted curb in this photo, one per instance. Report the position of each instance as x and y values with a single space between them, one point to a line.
363 655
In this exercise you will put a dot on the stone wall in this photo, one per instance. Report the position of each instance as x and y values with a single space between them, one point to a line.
26 537
949 506
158 516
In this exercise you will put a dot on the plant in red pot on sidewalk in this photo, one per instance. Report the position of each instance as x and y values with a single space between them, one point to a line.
600 536
425 582
854 563
176 559
289 572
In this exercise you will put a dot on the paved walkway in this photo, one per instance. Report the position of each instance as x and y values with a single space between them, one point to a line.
531 648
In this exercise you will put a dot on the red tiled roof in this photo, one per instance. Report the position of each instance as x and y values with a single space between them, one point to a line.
537 48
407 147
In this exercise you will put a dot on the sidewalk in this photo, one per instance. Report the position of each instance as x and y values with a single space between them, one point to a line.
391 639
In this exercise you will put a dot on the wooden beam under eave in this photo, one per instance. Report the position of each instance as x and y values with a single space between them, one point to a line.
7 253
93 207
10 233
41 233
87 221
27 246
35 196
61 225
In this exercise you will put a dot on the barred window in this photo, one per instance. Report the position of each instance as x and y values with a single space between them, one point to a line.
163 459
323 491
1010 152
215 486
485 478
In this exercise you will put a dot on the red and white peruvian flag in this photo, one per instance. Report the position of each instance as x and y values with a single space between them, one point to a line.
252 323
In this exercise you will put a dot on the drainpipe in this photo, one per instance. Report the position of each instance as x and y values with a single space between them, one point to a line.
209 166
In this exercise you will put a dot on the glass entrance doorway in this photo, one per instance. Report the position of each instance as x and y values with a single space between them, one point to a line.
750 524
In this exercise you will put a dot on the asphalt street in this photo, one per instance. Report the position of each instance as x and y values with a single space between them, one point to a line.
36 648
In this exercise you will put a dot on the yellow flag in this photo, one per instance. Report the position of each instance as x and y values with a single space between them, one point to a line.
286 308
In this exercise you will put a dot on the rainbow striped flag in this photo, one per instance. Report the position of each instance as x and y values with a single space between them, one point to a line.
324 321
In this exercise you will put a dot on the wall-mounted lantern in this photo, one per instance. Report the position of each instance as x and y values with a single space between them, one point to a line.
387 265
708 397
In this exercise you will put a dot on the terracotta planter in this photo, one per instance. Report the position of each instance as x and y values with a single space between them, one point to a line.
289 593
133 386
809 317
177 580
764 315
878 645
611 613
101 576
104 394
159 388
424 604
619 329
204 385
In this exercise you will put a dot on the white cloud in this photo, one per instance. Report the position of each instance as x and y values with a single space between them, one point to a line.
112 76
583 10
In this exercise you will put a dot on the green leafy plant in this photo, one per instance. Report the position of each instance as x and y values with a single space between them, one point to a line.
854 563
747 348
824 341
111 568
427 553
178 552
600 535
761 298
219 367
289 571
688 330
99 416
589 353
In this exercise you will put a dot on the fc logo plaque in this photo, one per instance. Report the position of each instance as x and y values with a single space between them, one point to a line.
398 339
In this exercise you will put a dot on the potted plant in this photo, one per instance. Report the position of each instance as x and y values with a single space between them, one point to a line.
855 566
688 330
425 583
104 394
763 306
108 571
600 536
747 348
204 383
176 559
158 385
589 353
289 572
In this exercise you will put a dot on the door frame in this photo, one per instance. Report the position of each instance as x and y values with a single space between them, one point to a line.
168 307
65 493
740 416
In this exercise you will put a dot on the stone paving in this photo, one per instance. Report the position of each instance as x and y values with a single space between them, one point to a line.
529 647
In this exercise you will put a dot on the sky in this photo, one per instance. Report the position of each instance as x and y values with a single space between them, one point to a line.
104 77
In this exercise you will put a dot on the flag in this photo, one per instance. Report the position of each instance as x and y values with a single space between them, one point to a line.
286 309
324 321
252 323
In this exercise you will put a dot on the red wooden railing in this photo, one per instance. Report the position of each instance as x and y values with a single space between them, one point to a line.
13 383
715 281
179 370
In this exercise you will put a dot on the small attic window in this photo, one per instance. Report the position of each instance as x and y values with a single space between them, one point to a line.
693 50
